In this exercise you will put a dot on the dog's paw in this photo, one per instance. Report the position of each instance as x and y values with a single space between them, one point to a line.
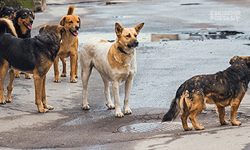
27 76
3 102
199 128
43 110
57 80
119 115
8 100
17 75
48 107
187 128
63 75
128 112
224 122
110 106
85 107
236 123
73 81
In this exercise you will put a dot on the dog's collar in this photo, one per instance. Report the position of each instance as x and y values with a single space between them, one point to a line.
121 50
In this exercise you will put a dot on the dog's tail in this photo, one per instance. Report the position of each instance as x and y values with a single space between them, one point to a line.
6 26
71 10
176 105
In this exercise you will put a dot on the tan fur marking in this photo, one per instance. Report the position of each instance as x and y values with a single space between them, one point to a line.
116 59
103 40
22 26
11 26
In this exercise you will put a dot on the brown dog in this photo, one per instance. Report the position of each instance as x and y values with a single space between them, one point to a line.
32 55
69 46
225 88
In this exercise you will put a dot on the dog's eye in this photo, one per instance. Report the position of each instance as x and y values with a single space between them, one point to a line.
135 35
70 21
128 36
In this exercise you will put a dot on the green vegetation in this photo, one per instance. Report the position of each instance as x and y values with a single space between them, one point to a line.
18 4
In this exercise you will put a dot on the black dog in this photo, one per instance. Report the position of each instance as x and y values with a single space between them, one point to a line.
7 12
32 55
224 88
23 20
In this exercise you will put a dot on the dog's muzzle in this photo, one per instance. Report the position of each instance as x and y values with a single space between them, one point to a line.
75 32
133 44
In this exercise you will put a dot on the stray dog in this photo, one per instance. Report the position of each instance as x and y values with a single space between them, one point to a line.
7 12
32 55
225 88
69 46
23 20
115 62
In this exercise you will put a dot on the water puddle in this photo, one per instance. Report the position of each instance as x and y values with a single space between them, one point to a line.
150 127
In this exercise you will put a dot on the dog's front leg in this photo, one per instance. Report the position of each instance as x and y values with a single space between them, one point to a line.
44 101
3 72
73 69
10 86
38 81
118 112
128 86
235 103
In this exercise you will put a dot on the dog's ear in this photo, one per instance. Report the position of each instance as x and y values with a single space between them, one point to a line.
14 16
139 27
33 15
118 29
62 21
79 22
62 29
234 59
42 28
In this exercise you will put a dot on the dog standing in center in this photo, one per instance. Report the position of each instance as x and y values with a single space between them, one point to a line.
116 62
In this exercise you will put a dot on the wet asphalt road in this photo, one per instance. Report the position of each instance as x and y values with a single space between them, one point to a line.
162 67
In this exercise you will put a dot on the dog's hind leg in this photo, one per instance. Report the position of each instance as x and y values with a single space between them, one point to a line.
3 72
197 107
221 113
17 74
76 66
56 70
109 103
10 86
38 81
235 103
44 101
27 76
118 112
86 71
64 71
184 117
128 85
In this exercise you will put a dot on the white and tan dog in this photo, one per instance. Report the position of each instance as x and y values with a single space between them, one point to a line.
115 62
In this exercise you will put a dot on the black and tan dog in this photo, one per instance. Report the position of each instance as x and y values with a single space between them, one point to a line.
116 63
23 20
32 55
225 88
7 12
69 46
